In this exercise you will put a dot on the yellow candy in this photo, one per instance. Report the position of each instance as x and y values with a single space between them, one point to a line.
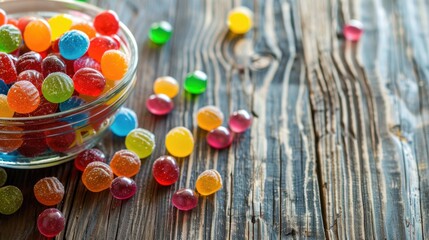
5 110
240 20
208 182
166 85
209 118
179 142
59 25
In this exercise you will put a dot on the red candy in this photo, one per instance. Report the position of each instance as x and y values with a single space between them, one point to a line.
7 69
23 22
33 76
29 61
165 170
34 144
88 81
99 45
52 64
61 137
88 156
86 61
106 23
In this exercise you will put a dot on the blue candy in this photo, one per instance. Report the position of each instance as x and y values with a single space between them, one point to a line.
71 103
4 88
73 44
125 121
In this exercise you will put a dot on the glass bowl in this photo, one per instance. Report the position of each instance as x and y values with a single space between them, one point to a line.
43 141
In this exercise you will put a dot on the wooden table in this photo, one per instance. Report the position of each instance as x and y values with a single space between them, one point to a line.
339 144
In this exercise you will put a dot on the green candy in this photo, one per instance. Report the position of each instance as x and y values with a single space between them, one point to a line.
10 38
195 82
3 177
10 199
57 87
141 142
160 32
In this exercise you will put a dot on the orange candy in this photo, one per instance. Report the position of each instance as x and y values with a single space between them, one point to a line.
208 182
23 97
38 35
125 163
5 110
3 17
97 176
12 140
49 191
85 27
114 65
13 22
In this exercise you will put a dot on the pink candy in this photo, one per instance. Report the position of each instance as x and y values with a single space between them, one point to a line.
240 121
159 104
353 30
185 199
219 137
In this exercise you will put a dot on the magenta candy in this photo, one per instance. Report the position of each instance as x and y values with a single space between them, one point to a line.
240 121
88 156
165 170
159 104
51 222
353 30
88 81
29 61
51 64
185 199
123 188
219 138
86 61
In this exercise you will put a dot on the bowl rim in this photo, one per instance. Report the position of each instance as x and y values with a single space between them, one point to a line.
123 83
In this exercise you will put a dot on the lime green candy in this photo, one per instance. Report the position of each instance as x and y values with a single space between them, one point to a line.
3 177
57 87
160 32
10 199
196 82
141 142
10 38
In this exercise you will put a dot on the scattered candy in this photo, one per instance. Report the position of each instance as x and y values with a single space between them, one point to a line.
73 44
51 222
166 85
3 177
185 199
140 141
196 82
125 163
114 65
179 142
88 156
208 182
353 30
240 20
10 38
57 87
97 176
49 191
209 118
240 121
165 170
123 188
106 23
219 138
159 104
10 200
160 32
125 121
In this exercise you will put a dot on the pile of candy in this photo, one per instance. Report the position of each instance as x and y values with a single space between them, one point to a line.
62 65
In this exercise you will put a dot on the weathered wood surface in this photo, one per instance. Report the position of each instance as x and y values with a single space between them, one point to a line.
339 144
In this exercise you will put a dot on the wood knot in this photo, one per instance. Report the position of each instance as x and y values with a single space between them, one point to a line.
259 61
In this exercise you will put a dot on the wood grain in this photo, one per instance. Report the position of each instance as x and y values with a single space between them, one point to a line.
339 144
